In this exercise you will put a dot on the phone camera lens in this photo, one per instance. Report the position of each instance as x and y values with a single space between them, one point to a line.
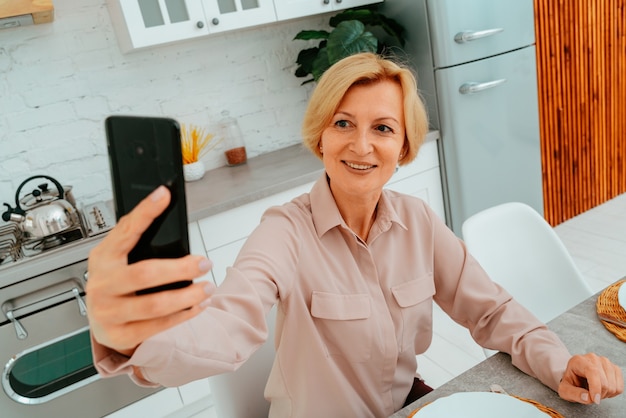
139 150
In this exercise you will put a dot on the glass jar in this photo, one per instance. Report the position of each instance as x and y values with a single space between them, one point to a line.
235 148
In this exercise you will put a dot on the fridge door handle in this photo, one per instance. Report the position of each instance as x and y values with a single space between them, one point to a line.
472 35
474 87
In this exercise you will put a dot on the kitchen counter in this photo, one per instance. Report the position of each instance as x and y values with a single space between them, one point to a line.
219 190
226 187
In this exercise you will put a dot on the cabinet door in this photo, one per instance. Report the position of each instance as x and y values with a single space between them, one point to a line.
426 186
346 4
224 15
290 9
162 403
224 257
422 178
142 23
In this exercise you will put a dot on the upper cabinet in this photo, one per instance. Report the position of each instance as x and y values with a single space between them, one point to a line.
289 9
223 15
145 23
142 23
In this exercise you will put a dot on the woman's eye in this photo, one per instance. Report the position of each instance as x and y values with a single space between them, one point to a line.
342 123
384 128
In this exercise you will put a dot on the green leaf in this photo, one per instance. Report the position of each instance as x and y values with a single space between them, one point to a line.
307 35
320 64
350 37
372 18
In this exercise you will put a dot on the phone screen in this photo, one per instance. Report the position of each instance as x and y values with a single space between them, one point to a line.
144 153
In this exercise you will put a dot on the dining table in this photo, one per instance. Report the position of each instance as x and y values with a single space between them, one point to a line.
581 331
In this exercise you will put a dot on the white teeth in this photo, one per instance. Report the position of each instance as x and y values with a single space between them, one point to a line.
358 166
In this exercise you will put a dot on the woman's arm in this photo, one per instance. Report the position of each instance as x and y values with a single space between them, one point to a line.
121 320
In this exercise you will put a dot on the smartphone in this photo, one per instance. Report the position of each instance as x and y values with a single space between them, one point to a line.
145 153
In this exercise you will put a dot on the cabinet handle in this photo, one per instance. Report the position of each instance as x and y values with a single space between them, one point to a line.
338 1
471 35
200 24
326 1
215 21
474 87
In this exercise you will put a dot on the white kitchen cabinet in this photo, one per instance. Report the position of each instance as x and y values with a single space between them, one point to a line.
144 23
159 404
224 15
290 9
422 178
224 234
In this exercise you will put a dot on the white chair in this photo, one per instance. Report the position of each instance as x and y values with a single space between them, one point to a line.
521 252
239 394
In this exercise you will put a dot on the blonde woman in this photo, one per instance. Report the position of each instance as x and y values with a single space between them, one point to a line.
353 268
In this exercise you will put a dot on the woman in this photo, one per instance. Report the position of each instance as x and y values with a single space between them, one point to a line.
353 268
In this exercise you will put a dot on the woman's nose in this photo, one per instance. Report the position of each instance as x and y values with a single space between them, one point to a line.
361 143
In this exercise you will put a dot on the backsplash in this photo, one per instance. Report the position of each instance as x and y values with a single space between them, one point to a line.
60 80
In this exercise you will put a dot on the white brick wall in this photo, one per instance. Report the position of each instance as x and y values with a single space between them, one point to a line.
59 81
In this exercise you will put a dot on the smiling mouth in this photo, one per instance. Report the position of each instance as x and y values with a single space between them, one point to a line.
359 166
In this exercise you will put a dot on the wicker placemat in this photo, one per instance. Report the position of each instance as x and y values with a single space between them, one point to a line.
546 409
608 306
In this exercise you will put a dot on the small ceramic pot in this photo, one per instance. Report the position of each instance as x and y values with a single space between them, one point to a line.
193 171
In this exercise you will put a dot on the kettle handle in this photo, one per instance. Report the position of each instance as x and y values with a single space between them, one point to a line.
19 189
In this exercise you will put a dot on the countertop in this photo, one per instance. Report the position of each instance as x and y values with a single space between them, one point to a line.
221 189
581 331
226 187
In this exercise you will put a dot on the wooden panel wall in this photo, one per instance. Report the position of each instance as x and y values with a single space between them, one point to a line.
581 60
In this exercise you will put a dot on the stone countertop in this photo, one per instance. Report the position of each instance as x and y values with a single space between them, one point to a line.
581 331
227 187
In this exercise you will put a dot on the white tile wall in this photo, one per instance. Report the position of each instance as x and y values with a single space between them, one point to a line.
58 81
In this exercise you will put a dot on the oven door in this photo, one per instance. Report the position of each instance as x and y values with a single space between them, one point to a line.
48 369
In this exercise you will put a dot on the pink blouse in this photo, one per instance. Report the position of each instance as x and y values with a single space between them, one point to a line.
351 316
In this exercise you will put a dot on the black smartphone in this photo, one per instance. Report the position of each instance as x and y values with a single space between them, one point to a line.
144 153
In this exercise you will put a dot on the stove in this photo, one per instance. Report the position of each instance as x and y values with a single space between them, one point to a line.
95 220
45 354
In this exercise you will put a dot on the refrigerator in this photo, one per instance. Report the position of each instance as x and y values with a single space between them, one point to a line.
476 69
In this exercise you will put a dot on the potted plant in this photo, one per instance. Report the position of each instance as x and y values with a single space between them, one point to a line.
195 143
362 29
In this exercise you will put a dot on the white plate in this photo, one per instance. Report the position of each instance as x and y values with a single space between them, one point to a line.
621 295
479 405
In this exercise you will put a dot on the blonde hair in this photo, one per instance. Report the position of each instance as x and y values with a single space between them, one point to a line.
364 68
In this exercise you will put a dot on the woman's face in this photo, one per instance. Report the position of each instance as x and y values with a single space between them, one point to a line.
362 144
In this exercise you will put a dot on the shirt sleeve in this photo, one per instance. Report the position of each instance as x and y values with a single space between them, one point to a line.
230 329
495 320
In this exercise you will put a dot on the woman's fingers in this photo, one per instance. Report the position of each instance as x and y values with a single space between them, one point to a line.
590 378
150 273
122 239
121 319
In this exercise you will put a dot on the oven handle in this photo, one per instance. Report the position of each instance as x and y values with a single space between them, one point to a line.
11 313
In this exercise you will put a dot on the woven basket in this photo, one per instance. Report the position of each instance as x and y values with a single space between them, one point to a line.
551 412
608 306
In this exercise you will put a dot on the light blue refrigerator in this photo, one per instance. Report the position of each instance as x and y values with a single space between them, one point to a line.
476 68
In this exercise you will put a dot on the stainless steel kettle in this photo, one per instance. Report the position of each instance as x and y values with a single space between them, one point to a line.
43 212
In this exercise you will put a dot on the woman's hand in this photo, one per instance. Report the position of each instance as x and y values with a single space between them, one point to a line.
590 378
121 320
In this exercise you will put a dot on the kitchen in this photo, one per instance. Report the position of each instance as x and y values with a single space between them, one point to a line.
60 80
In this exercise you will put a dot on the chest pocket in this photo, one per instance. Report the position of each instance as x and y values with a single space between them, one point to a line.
343 323
414 299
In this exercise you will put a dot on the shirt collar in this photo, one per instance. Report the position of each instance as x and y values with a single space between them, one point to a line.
326 214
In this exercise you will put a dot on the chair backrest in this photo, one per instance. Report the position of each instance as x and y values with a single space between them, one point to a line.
239 394
522 252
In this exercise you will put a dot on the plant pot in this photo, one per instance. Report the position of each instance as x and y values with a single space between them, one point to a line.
193 171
